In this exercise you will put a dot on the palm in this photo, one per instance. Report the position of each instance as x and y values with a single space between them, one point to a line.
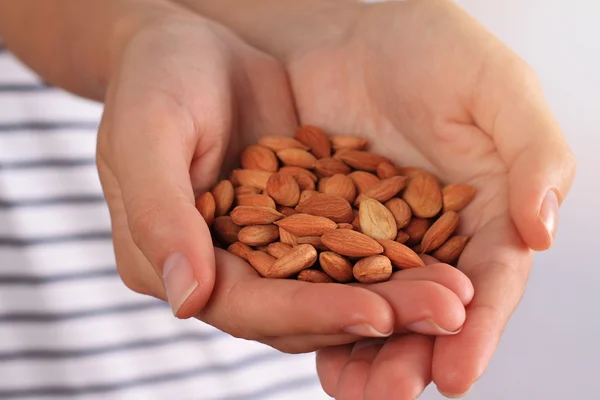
413 96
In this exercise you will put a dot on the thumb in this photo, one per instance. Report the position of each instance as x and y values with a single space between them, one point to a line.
152 153
511 107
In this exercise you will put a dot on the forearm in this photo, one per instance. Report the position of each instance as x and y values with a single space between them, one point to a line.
74 43
280 26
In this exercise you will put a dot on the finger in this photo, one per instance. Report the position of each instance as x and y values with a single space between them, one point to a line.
443 274
401 370
330 362
298 344
498 263
509 105
352 380
249 306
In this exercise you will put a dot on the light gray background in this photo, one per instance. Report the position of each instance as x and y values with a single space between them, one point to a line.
551 348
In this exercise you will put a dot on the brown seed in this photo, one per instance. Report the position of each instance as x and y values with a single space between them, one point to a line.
384 190
401 237
341 186
307 194
314 138
400 210
411 172
351 243
387 170
225 229
423 195
373 269
261 261
297 171
278 249
336 266
323 184
305 183
245 190
417 248
259 157
376 221
261 200
314 241
345 226
450 251
287 211
297 158
363 180
250 177
314 276
332 207
457 196
299 258
224 194
254 215
258 235
283 189
362 160
287 238
356 224
205 204
416 229
400 255
330 166
240 249
348 142
277 143
306 225
440 231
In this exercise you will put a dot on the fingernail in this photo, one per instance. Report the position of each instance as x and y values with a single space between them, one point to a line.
454 395
549 213
365 330
430 327
180 280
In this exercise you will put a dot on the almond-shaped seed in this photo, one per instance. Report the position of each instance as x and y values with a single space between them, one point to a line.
254 215
224 195
306 225
416 229
387 170
332 207
287 238
330 166
400 210
261 262
258 235
287 211
383 190
314 138
246 190
299 258
261 200
363 180
336 266
417 248
314 241
305 183
376 221
351 243
297 171
457 196
250 177
314 276
348 142
341 186
259 157
373 269
225 229
283 189
423 195
307 194
297 158
322 184
411 172
450 251
356 224
363 160
277 143
440 231
278 249
240 249
401 237
345 226
205 204
400 255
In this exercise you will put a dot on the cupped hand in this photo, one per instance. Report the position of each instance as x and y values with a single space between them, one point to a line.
432 88
185 97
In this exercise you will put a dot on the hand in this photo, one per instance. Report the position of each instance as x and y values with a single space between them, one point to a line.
185 96
432 88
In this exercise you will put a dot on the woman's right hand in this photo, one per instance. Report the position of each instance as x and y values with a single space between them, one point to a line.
185 97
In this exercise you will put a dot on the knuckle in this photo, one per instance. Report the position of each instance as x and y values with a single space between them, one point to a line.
144 219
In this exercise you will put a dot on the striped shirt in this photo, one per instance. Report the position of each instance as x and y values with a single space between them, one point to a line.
69 328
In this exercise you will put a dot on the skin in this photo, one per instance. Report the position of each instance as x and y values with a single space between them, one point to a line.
430 88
